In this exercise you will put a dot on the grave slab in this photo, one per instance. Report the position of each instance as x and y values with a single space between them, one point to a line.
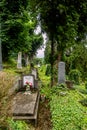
24 104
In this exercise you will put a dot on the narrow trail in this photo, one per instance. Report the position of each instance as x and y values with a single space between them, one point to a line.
44 122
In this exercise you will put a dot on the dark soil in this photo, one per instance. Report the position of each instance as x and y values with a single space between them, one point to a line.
44 122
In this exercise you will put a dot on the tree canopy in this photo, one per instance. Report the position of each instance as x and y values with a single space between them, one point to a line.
18 25
64 21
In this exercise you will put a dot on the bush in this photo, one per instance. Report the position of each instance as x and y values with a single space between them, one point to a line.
67 113
48 70
75 75
17 125
86 84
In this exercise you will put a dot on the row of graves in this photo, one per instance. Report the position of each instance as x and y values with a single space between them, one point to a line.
26 101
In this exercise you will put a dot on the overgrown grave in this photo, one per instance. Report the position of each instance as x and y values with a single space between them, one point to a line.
26 102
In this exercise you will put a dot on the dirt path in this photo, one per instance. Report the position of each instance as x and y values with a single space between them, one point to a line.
44 122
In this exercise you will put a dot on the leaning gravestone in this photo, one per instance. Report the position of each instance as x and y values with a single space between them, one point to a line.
61 72
19 62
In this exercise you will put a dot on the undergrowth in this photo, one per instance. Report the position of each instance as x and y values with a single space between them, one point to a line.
67 113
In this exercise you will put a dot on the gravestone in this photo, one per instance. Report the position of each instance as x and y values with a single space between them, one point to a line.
61 72
28 78
19 62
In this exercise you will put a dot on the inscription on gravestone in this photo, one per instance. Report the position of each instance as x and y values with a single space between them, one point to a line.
19 62
28 78
61 72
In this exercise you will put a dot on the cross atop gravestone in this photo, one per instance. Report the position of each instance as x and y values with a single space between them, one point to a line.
19 62
61 72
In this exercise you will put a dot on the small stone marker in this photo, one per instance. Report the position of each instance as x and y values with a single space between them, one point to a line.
19 62
61 72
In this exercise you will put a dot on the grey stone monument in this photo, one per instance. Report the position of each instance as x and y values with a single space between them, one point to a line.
19 62
61 72
1 67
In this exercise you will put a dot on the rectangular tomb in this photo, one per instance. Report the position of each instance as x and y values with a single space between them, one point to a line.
25 107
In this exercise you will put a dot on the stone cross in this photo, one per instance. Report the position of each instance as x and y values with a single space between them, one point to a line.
61 72
19 62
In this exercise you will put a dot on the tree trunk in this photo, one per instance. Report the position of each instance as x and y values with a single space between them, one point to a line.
52 59
59 57
1 67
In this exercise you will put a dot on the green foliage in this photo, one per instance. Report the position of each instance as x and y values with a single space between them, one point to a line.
38 61
84 102
48 70
62 85
17 125
76 58
75 75
17 29
67 114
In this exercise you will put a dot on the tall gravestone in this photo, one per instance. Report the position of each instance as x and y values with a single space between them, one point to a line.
1 67
19 62
61 72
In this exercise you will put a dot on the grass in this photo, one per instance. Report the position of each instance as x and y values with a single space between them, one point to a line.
7 78
67 113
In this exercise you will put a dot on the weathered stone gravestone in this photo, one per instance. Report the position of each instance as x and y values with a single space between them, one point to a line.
19 62
61 72
28 78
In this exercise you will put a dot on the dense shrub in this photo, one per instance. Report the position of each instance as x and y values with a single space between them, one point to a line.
86 84
17 125
48 70
67 113
75 75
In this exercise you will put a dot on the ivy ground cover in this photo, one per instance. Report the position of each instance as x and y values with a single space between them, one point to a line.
67 113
